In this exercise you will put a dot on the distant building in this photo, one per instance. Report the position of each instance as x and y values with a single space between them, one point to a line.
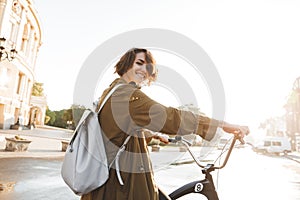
21 28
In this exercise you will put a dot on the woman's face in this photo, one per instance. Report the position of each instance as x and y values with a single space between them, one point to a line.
138 73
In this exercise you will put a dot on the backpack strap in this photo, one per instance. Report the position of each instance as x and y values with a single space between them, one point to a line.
116 160
88 111
84 116
122 148
107 96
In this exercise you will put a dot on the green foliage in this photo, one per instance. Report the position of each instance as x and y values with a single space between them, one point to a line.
59 122
50 117
37 89
77 113
66 118
47 119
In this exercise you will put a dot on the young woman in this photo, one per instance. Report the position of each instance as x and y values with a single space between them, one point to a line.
130 112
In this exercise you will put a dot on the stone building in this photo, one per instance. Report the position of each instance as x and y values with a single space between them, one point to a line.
20 37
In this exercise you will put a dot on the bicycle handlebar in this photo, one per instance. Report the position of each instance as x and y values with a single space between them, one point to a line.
179 139
187 144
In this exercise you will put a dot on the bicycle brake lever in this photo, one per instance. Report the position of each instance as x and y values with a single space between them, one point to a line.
172 140
179 139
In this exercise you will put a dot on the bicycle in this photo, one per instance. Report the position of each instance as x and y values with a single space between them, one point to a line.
206 186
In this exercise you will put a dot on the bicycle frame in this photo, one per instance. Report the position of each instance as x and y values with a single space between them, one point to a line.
206 186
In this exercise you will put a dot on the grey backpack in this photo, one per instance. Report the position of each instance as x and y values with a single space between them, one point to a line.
85 166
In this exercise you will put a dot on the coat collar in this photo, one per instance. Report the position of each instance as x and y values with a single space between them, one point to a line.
122 81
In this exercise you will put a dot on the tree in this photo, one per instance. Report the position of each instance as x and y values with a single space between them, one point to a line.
66 118
59 121
50 117
37 89
77 111
67 115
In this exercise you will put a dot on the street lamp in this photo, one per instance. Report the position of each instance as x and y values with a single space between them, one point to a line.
69 124
4 53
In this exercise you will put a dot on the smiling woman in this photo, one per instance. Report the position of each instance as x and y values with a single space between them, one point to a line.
137 65
130 112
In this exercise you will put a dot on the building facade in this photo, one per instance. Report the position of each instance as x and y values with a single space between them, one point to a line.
292 107
21 28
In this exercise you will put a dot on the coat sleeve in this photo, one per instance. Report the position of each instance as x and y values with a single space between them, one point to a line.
149 114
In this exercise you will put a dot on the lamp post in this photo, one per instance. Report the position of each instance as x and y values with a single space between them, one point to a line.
69 123
5 53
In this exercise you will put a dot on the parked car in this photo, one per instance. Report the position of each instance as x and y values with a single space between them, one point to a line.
274 145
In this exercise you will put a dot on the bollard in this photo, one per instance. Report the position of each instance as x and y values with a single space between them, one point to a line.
64 145
16 144
155 148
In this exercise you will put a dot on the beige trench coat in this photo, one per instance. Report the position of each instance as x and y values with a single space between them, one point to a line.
128 112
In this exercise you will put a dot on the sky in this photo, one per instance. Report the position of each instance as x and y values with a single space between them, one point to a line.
255 46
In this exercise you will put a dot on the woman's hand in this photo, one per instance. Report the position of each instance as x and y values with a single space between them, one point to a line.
162 137
240 131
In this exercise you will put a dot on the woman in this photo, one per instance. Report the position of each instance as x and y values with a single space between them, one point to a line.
130 112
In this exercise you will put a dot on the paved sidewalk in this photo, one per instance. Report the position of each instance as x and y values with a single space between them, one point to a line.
44 142
36 172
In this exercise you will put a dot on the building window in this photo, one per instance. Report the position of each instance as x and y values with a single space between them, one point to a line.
16 7
19 83
3 77
25 38
29 89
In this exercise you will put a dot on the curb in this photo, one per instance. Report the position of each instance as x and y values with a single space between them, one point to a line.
295 158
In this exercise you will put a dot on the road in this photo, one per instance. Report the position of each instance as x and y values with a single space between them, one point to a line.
247 176
35 179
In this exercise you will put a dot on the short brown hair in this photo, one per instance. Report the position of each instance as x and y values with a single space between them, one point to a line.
126 62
